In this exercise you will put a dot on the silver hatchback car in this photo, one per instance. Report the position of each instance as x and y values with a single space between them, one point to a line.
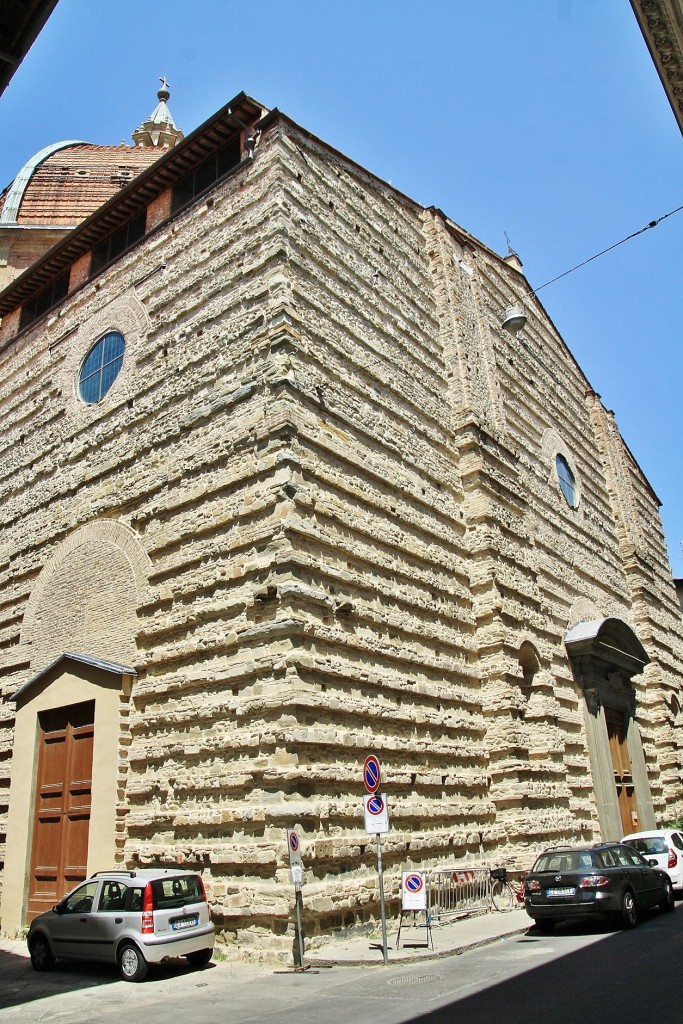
133 918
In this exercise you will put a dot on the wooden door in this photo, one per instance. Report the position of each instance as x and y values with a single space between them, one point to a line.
621 762
62 811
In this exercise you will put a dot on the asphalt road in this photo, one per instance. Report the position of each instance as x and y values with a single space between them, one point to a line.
578 975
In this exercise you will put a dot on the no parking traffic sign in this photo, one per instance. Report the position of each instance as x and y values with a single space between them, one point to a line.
376 823
371 773
376 813
294 849
413 891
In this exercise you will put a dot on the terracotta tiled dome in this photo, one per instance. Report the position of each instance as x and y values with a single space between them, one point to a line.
64 183
70 182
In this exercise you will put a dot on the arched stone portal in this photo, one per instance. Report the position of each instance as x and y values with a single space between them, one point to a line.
605 655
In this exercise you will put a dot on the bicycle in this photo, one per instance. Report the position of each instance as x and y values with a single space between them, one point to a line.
505 892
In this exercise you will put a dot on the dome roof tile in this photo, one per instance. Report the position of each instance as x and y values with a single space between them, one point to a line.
71 182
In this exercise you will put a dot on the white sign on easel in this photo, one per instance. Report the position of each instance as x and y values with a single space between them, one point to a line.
413 891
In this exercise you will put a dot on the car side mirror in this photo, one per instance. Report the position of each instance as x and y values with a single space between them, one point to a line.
57 909
652 862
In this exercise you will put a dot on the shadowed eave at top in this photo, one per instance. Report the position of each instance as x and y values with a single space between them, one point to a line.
114 668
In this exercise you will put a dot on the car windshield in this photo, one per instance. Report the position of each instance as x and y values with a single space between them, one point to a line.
176 891
565 860
650 844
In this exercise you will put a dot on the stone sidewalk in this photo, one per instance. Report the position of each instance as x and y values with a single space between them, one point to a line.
455 936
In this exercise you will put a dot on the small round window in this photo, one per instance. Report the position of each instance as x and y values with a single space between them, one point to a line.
567 481
101 367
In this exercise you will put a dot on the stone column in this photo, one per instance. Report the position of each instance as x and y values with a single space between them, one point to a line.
602 769
646 811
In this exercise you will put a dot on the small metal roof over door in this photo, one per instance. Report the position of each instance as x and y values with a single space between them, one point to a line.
84 659
610 641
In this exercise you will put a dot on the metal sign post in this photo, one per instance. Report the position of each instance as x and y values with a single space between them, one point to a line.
382 910
296 875
296 871
377 822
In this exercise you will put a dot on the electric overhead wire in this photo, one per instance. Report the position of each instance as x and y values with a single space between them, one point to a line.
652 224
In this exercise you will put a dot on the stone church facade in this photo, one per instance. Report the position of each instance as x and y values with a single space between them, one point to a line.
323 504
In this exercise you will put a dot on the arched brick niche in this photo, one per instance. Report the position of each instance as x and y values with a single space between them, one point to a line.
87 595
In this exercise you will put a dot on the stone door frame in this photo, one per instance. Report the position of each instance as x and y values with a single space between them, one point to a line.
605 655
70 679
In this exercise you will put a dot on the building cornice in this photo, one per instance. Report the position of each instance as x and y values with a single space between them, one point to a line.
661 22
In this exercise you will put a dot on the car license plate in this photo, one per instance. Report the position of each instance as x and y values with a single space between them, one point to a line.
184 922
569 890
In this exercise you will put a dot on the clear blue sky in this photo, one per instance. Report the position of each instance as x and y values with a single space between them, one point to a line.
542 118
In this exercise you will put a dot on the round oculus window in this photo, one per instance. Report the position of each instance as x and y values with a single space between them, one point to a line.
101 367
567 481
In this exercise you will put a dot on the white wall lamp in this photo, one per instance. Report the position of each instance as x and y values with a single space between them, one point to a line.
514 320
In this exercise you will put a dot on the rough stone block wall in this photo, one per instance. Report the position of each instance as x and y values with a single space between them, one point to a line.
342 533
173 454
470 429
384 388
376 575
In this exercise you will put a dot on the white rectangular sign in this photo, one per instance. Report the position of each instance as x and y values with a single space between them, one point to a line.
376 813
413 891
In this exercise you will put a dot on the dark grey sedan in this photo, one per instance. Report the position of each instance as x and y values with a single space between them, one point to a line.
601 881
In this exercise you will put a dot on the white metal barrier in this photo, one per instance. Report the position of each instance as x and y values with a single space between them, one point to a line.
460 889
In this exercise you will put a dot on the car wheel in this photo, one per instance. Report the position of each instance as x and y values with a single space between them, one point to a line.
629 910
132 964
668 903
41 954
546 925
200 958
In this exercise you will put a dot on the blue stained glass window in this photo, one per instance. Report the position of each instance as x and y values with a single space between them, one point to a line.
567 481
101 367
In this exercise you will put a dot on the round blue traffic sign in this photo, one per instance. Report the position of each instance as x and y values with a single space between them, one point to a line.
293 842
414 883
375 804
371 774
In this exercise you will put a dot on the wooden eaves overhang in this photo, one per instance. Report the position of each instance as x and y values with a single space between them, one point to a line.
227 123
21 21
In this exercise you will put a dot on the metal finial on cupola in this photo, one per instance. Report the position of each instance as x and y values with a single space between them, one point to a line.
159 130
